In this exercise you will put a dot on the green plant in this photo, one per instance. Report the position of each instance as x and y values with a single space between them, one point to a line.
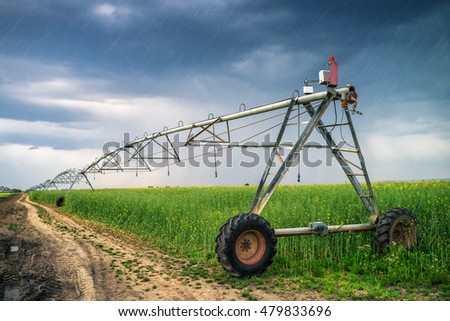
184 222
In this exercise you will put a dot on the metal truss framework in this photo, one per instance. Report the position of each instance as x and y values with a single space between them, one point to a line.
64 180
197 133
206 131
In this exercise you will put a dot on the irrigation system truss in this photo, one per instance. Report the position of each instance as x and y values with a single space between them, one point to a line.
206 132
64 180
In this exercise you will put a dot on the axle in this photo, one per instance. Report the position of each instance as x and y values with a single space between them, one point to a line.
323 229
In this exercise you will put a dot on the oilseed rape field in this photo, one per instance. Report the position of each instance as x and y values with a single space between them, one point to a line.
184 222
5 195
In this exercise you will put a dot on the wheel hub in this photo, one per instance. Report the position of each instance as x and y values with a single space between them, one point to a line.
404 233
246 245
250 247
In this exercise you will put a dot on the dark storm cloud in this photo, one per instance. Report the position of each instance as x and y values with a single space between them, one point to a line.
83 72
128 41
155 36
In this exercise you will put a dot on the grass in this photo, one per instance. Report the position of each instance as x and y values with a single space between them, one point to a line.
4 195
14 227
184 222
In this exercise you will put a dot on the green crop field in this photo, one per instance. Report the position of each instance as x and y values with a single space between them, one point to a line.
184 222
6 195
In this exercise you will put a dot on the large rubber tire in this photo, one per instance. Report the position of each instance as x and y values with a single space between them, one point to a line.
246 245
60 201
397 226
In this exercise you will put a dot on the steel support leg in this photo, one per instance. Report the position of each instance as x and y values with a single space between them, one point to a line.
260 201
371 196
274 152
77 179
367 199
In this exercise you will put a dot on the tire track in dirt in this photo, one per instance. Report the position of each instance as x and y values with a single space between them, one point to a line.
65 258
26 272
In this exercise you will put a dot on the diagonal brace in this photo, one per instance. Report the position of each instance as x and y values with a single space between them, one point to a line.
260 202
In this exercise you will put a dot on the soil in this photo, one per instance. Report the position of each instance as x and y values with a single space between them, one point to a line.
45 255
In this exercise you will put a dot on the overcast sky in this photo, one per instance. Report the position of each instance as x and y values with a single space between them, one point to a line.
77 74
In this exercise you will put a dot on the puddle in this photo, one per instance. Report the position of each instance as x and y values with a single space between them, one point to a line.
13 248
11 294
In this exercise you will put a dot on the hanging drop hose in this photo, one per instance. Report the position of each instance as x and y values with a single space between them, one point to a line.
298 135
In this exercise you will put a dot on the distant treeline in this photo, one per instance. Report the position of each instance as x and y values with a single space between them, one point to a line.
9 190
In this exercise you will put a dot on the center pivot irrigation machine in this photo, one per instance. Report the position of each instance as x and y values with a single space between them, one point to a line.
246 243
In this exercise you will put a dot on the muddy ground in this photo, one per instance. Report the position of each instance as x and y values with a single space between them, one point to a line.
45 255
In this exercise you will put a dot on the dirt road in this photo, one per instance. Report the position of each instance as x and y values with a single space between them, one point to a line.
45 255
